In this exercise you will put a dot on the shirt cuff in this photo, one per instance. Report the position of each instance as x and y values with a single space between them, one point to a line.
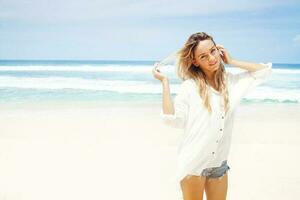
262 73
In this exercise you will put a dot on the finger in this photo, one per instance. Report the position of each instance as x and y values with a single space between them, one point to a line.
155 70
223 50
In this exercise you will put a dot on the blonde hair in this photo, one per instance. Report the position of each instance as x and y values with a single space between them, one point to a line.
187 70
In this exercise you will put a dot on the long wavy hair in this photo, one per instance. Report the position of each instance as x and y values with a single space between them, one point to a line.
187 70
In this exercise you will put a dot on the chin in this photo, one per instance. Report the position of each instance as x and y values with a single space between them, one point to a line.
217 65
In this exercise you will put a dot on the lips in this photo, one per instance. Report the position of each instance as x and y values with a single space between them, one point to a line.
213 63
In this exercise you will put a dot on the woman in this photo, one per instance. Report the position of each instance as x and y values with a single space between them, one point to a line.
204 107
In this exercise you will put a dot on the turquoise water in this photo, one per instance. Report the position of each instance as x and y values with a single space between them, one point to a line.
33 81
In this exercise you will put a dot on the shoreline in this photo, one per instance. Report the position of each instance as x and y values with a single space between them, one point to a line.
261 110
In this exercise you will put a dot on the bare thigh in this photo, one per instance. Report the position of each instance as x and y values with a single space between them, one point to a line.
216 189
193 187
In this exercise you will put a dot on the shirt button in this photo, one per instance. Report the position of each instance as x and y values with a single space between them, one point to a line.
213 152
222 117
217 141
221 129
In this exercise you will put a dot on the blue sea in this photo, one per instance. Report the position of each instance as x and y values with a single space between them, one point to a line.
50 81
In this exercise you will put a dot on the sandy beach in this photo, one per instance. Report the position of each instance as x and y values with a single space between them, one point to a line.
123 151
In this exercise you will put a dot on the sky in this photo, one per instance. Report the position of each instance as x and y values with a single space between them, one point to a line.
261 31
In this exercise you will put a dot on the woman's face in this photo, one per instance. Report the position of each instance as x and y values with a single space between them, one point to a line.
207 56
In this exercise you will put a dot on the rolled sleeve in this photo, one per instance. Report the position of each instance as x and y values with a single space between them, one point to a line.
178 119
246 81
262 74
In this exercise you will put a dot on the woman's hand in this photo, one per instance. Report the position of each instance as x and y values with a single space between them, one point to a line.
157 74
224 54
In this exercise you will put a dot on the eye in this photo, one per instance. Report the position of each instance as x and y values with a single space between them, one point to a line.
213 50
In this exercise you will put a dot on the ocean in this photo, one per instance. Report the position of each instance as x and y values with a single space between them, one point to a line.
50 81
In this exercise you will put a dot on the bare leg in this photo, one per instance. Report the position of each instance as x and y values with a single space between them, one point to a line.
216 188
193 187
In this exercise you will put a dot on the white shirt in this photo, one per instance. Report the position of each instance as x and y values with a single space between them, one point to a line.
207 138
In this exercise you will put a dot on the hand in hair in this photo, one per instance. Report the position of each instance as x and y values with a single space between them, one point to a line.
157 73
224 54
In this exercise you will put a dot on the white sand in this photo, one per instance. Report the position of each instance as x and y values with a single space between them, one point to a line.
125 152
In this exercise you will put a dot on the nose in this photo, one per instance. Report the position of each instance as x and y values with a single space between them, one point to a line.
211 59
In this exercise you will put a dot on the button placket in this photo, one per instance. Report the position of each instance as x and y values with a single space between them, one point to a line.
222 127
214 150
221 130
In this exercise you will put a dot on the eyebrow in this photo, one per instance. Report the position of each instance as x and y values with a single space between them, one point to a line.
204 53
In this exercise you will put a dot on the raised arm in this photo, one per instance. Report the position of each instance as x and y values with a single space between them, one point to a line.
167 104
246 81
173 114
249 66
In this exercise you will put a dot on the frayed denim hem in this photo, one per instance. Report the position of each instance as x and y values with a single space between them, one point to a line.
216 172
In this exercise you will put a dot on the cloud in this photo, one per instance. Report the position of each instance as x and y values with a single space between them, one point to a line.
81 10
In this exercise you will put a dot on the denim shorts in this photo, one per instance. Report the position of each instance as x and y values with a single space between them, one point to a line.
216 172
